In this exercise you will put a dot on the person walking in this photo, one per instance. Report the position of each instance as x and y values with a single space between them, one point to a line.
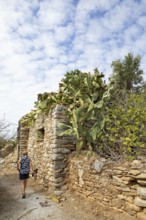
24 166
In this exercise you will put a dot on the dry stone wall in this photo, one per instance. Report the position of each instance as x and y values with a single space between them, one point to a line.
119 186
23 134
49 152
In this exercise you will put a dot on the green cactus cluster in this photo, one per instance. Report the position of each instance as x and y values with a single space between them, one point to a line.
87 95
28 119
109 118
84 95
112 122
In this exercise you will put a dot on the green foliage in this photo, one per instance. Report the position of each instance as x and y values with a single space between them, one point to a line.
127 73
113 125
86 94
125 130
29 118
45 102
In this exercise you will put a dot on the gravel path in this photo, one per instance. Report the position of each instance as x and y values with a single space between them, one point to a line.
35 206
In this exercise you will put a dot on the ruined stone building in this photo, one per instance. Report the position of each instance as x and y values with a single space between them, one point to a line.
118 186
48 152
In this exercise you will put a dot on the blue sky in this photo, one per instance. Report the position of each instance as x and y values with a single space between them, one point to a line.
41 40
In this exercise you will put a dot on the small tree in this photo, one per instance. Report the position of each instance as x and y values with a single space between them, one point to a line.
3 128
5 136
125 130
127 73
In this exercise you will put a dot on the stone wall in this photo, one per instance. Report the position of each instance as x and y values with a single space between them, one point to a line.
117 186
23 134
49 153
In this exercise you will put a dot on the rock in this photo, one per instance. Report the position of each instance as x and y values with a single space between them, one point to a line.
80 172
118 172
134 172
2 160
141 192
105 181
105 199
139 202
65 151
141 216
134 187
58 192
64 188
129 199
59 185
59 180
117 179
60 107
57 156
132 207
121 168
122 197
136 163
118 203
141 176
125 189
98 165
142 182
81 182
127 179
59 165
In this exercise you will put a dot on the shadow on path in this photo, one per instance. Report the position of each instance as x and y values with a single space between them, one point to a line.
9 200
13 207
34 206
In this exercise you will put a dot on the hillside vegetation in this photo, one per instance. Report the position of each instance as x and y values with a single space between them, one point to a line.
106 118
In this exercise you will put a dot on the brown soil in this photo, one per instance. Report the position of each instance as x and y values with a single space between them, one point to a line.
38 205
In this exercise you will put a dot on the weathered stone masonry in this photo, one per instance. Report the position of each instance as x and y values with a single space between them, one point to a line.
49 152
23 134
117 186
121 187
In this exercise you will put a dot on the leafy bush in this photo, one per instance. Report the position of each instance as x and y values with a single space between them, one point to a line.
112 124
125 130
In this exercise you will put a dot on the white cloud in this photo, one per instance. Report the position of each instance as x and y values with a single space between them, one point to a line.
55 13
41 40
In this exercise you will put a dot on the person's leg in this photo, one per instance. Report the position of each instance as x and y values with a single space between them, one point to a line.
22 187
23 178
25 184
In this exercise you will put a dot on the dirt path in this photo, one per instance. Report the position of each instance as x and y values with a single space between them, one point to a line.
34 206
37 205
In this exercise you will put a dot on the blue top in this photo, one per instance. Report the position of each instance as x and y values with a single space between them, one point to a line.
25 165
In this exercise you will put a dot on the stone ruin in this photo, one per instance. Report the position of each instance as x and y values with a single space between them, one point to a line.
49 153
117 186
